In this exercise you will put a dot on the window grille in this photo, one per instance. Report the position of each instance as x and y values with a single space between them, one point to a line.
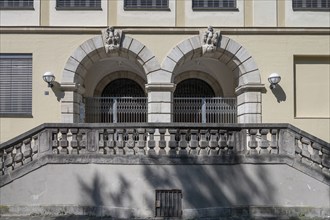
16 4
311 4
146 4
213 4
78 4
15 84
168 203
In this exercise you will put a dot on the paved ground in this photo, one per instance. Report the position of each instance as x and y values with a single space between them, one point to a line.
109 218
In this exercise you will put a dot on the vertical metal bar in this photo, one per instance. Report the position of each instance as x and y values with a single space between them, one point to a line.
203 110
114 110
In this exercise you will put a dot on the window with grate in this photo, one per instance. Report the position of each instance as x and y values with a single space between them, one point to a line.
168 203
78 4
213 4
311 4
146 4
16 4
15 85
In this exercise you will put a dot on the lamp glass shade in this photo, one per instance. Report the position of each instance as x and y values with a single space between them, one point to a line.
274 78
48 77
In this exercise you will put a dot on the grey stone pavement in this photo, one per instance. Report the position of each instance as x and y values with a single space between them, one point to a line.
72 217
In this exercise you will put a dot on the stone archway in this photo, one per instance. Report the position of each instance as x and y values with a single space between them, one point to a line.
88 54
236 58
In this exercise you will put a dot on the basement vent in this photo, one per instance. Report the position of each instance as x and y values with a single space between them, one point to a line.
168 203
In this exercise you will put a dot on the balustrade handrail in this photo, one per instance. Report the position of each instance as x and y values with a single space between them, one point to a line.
174 140
233 126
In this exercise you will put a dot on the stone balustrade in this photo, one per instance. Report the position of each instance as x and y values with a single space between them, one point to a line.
152 143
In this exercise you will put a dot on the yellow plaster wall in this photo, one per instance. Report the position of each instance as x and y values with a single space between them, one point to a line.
272 53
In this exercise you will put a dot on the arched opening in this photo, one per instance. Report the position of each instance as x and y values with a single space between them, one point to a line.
123 88
227 64
121 101
195 102
193 88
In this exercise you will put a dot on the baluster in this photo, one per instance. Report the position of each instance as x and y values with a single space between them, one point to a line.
253 144
151 141
222 142
326 159
183 144
2 155
54 133
316 154
110 144
264 143
35 147
27 150
141 142
193 142
101 141
231 142
162 142
273 142
214 146
82 140
74 141
130 143
172 143
203 143
305 142
64 141
120 142
9 159
18 156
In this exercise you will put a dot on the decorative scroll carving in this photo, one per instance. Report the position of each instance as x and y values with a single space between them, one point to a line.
111 38
210 40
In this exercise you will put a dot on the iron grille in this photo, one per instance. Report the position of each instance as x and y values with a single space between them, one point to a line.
16 4
310 4
146 4
78 4
168 203
115 109
205 110
213 4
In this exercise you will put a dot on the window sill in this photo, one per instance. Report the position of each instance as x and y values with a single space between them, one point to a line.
215 9
78 9
17 9
146 9
18 115
312 9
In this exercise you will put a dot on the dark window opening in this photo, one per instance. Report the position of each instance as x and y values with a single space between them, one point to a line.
193 88
78 4
311 4
213 4
146 4
123 88
16 4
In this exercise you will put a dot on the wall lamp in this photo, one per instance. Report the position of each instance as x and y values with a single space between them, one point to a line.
49 78
274 79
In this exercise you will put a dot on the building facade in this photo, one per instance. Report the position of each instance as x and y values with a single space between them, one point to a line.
165 61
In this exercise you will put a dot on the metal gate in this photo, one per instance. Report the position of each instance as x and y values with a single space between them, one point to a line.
205 110
168 203
115 109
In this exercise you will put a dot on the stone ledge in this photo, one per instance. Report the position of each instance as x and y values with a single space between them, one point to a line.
235 212
161 160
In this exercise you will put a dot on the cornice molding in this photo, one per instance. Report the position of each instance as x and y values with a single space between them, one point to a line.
167 30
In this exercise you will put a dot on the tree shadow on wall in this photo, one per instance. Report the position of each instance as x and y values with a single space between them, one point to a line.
209 191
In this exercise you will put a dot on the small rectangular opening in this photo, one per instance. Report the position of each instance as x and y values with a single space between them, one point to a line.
168 203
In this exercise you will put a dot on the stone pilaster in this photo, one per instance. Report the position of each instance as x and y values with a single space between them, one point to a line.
249 103
160 102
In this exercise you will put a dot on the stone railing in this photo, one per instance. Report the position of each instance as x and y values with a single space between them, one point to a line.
164 143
